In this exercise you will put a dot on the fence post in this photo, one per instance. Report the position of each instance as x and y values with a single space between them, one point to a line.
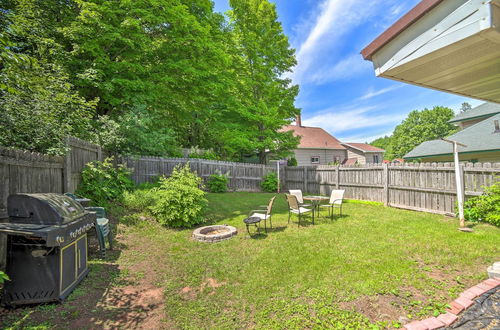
305 179
99 154
337 174
385 180
233 175
67 168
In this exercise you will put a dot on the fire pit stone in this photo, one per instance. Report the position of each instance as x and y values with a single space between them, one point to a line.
214 233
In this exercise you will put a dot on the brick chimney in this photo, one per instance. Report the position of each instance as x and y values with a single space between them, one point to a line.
298 120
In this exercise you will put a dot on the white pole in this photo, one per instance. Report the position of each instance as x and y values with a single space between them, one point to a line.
460 187
459 184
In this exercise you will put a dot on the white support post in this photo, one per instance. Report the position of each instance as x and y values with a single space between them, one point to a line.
460 187
459 184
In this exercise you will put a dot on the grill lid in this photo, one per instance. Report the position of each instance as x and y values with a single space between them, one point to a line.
47 209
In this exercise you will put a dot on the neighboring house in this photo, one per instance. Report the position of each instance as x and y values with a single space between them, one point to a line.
479 131
364 153
318 147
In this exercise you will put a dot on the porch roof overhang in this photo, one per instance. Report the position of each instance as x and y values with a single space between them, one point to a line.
447 45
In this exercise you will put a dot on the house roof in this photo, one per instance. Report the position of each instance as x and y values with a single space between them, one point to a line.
422 8
363 147
313 137
483 110
479 137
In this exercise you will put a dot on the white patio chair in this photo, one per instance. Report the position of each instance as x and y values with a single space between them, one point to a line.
336 199
294 207
298 193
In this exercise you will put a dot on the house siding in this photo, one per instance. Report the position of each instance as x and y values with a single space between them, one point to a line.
467 123
359 155
326 156
364 158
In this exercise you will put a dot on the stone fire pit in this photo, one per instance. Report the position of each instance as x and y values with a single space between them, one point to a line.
214 233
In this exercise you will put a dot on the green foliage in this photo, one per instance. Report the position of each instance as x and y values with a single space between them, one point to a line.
140 200
292 161
384 143
485 207
102 182
203 154
3 277
217 183
40 109
180 201
418 127
265 99
270 182
147 77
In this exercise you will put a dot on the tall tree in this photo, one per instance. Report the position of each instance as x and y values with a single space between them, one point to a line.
465 107
421 126
383 143
265 98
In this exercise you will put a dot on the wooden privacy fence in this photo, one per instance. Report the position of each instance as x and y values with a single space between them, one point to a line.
242 176
30 172
422 187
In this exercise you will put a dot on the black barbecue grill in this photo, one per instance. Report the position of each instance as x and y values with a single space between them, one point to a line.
46 247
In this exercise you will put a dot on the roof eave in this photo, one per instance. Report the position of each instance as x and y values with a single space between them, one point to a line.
397 28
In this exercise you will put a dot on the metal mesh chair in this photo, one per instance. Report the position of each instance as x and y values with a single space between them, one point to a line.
295 207
298 193
336 199
262 215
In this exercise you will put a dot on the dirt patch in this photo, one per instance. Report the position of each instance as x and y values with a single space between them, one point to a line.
377 308
115 295
189 293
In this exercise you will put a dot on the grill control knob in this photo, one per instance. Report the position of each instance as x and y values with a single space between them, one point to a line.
60 239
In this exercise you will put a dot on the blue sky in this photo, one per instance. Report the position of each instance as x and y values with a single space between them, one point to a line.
338 89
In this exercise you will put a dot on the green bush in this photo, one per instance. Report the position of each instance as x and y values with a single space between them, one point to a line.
292 162
140 199
3 277
217 183
270 182
485 207
180 201
103 182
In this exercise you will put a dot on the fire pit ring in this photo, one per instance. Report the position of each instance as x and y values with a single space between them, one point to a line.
214 233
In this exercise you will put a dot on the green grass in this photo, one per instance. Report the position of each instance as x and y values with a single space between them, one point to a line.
313 276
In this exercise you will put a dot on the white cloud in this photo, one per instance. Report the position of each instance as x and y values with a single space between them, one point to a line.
347 67
317 51
336 121
372 93
363 138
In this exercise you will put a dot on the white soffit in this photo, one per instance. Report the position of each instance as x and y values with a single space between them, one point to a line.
454 48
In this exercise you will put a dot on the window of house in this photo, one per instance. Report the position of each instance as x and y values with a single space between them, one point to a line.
314 159
375 158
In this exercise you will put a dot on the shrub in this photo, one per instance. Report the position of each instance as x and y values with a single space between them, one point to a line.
217 183
485 207
140 199
103 182
180 201
3 277
292 162
270 182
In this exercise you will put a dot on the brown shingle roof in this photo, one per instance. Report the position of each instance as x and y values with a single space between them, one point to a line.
363 147
313 137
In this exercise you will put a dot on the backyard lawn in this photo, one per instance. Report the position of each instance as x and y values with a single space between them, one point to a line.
367 268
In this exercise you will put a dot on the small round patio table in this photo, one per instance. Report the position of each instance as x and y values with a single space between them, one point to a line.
316 201
252 221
